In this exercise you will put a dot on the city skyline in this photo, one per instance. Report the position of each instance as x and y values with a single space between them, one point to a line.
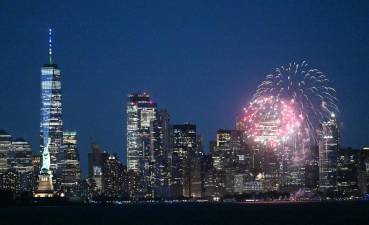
194 112
233 91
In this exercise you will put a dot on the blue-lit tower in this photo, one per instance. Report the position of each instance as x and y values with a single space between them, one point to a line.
51 125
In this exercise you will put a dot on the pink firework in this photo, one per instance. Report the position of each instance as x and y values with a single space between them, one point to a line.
272 121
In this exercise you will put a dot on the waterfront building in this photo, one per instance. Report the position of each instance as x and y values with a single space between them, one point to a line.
36 164
51 124
197 176
8 176
21 157
70 169
311 176
231 156
96 161
114 178
348 172
213 180
184 147
364 170
160 147
141 111
5 148
328 149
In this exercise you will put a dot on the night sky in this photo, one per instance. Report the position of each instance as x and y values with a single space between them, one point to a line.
201 61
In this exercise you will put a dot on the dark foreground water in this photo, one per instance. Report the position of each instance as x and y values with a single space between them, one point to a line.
337 213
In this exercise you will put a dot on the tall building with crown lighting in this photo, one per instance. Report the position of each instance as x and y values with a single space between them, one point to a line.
51 124
328 150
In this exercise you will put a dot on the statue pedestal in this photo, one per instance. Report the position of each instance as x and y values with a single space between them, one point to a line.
45 187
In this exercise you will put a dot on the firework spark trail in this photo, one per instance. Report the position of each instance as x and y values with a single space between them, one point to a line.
314 100
271 121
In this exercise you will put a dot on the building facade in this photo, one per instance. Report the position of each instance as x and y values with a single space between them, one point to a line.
96 161
348 173
141 112
16 170
160 147
51 123
328 149
231 156
70 169
114 178
184 148
5 148
21 155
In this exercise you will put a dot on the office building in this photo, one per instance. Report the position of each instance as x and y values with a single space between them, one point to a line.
5 148
184 147
114 178
160 147
141 111
96 161
51 124
21 155
70 169
348 172
328 149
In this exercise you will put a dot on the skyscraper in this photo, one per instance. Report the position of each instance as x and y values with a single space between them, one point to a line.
213 178
5 147
96 161
184 148
160 153
348 172
228 148
36 164
51 124
364 170
196 167
141 111
22 164
328 149
8 176
114 178
230 156
70 166
16 171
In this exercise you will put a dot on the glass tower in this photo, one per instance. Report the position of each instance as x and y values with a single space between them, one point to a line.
141 111
70 166
328 149
184 147
51 124
160 153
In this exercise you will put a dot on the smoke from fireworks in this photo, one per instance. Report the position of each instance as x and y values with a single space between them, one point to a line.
291 101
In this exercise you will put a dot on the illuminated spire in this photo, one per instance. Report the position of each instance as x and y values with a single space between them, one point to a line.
50 47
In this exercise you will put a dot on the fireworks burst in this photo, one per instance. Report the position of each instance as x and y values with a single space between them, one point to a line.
271 121
293 100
